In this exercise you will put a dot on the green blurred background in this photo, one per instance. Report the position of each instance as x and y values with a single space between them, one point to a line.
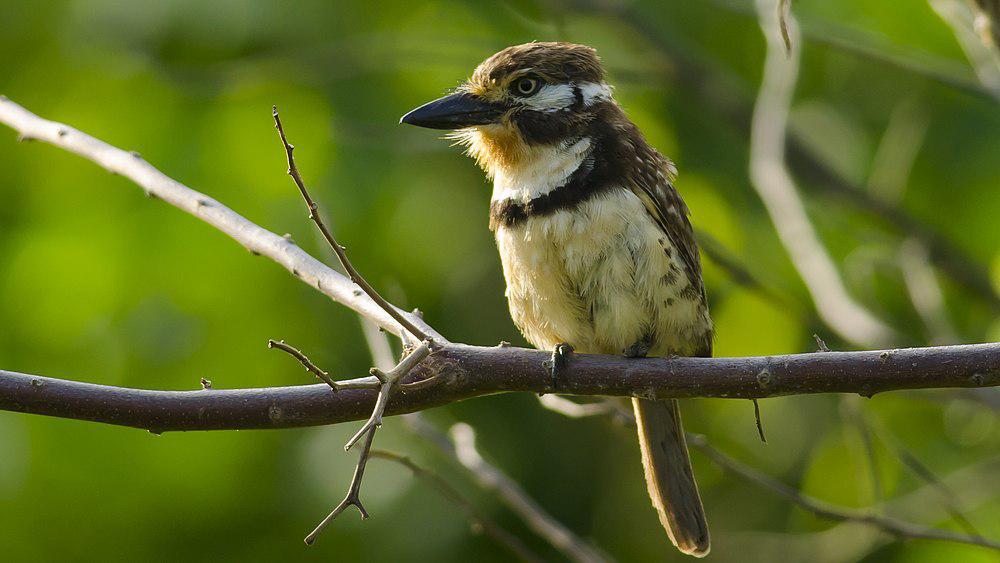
99 283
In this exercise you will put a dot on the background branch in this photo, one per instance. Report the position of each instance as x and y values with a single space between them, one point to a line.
896 527
460 446
776 187
254 238
480 519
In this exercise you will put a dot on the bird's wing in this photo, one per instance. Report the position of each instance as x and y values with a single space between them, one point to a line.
652 182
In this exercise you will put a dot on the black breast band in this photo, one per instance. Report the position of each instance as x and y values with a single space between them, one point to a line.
588 180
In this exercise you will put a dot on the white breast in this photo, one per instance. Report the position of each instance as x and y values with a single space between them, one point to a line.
545 169
599 278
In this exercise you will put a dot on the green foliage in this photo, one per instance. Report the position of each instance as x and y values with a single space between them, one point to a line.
99 283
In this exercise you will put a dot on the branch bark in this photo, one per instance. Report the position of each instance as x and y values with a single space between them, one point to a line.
462 372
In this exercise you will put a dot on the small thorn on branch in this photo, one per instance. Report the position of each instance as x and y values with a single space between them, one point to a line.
820 343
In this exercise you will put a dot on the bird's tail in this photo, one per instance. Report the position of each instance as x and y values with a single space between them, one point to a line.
669 476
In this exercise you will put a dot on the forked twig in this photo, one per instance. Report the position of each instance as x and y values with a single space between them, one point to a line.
387 380
353 497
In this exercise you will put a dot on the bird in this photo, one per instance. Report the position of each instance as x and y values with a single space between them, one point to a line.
598 251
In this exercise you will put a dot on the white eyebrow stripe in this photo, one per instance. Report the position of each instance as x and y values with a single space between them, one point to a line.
551 97
557 97
595 92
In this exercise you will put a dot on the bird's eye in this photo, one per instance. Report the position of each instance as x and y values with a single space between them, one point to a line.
526 86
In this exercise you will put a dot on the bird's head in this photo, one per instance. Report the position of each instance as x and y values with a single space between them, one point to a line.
522 99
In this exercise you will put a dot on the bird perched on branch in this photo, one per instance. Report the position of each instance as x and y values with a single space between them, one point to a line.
597 250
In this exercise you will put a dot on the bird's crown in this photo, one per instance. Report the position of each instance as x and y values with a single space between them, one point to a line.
548 63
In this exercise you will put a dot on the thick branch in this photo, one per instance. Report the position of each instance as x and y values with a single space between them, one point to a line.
462 372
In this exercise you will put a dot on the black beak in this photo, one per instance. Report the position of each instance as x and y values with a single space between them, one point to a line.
454 112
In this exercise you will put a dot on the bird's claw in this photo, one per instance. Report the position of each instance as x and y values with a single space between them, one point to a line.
558 362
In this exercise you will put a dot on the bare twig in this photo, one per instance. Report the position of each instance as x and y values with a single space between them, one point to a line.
352 272
388 380
460 446
773 182
480 520
353 497
898 528
306 363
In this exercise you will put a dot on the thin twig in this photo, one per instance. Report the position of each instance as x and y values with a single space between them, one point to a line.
898 528
480 520
460 447
352 272
353 497
387 379
305 361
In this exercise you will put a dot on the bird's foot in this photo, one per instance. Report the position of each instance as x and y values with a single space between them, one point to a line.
558 362
638 349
